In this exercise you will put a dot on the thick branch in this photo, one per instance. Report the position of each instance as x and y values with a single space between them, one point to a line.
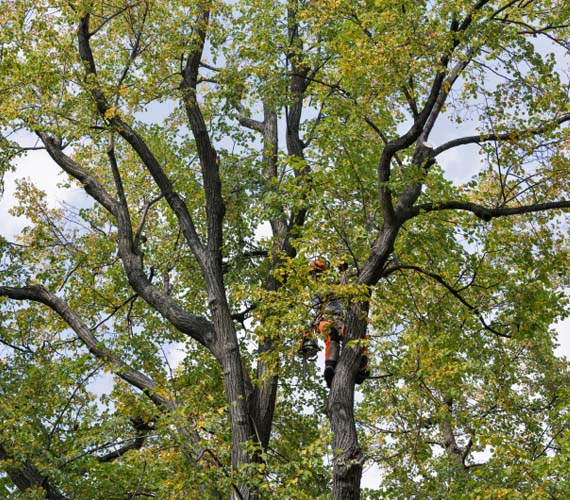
434 102
215 207
266 392
110 114
38 293
125 228
250 123
381 250
71 167
443 93
485 213
433 107
25 476
195 326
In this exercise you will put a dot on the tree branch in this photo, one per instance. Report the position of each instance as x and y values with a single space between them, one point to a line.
197 327
485 213
382 136
411 102
71 167
25 475
139 232
439 279
215 207
250 123
112 116
142 429
38 293
512 135
423 122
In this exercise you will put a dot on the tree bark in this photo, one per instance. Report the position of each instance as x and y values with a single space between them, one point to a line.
348 457
26 476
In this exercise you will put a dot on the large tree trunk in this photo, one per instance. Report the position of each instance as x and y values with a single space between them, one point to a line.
349 459
237 384
238 394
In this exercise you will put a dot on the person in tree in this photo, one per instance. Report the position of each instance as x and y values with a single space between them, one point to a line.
329 323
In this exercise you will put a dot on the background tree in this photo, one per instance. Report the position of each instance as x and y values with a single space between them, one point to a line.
190 125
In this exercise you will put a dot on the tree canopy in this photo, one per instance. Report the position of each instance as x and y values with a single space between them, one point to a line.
220 145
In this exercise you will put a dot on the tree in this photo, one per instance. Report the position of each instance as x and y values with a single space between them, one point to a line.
189 125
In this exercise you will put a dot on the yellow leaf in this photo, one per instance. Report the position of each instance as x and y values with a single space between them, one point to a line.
111 113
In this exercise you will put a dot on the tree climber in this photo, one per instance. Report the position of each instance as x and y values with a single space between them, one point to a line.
328 321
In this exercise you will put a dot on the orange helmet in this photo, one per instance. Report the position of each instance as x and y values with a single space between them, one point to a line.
318 265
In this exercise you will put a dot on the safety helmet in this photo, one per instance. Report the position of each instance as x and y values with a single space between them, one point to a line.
318 265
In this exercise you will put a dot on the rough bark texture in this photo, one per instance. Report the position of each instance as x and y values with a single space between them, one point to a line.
348 457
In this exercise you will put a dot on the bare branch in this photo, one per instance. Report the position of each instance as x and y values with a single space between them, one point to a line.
512 135
485 213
